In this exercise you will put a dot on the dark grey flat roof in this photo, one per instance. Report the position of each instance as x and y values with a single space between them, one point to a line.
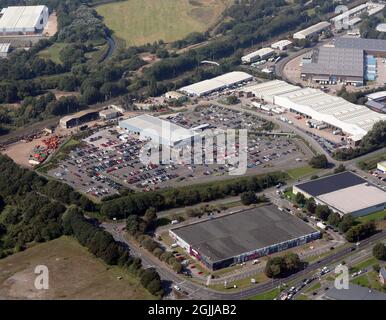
354 292
235 234
336 61
362 44
331 183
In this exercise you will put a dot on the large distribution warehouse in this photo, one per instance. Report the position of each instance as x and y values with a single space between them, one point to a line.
224 81
354 120
243 236
344 193
23 19
350 61
159 131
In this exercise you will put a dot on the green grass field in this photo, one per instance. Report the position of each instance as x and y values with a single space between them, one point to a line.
53 52
145 21
301 172
376 216
74 273
269 295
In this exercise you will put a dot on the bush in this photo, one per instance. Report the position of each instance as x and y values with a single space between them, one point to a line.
379 251
283 266
319 161
248 198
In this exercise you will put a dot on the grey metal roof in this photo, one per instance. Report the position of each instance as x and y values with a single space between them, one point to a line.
331 183
336 61
361 44
354 292
379 106
232 235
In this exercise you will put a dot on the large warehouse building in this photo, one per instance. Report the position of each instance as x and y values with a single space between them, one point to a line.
350 61
313 30
224 81
160 131
344 193
23 19
354 120
243 236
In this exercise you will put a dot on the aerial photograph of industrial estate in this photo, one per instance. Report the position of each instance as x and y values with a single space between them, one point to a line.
178 151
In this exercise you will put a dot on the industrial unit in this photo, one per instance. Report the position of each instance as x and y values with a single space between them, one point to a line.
333 65
160 131
78 118
109 114
23 19
4 49
350 61
267 91
354 120
224 81
313 30
344 193
260 54
243 236
381 166
377 101
352 16
281 45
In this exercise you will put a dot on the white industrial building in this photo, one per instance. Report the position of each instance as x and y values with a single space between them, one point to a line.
344 193
224 81
267 91
281 45
23 19
4 49
258 55
381 166
354 120
109 114
160 131
352 16
315 29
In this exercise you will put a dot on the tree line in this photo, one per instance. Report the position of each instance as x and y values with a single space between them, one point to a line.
139 203
102 245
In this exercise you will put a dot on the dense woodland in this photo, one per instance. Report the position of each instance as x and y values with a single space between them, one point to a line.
33 210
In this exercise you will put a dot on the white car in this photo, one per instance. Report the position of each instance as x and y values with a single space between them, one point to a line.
177 288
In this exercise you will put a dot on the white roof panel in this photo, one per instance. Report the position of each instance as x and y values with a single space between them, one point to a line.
162 128
217 83
20 17
353 119
354 198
